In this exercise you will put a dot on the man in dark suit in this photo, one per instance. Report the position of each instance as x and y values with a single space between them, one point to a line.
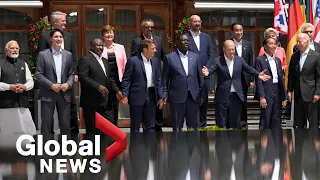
229 94
183 81
96 81
201 44
55 75
270 94
244 50
58 21
142 87
304 81
147 27
308 28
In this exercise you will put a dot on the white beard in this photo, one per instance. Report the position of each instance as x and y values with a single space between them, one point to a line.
14 56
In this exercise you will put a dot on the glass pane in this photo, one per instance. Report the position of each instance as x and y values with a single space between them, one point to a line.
72 19
157 20
20 37
125 17
210 17
75 38
10 17
265 18
247 18
91 34
125 38
96 16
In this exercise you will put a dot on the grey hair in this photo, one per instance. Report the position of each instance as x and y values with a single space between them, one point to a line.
304 36
306 25
55 15
146 20
7 45
269 30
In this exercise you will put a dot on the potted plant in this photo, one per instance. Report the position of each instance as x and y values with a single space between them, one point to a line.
36 29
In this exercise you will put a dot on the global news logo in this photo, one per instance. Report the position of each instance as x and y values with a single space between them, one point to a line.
86 148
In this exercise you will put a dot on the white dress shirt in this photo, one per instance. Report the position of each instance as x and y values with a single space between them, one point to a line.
147 38
303 57
311 46
148 68
184 60
99 59
273 66
196 39
29 81
238 47
230 64
57 57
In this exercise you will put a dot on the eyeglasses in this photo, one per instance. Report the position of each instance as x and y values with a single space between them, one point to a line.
149 27
308 32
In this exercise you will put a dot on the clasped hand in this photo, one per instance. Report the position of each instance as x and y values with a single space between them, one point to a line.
60 87
17 88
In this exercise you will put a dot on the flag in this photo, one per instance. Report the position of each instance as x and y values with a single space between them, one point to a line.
309 11
279 17
296 18
317 22
303 8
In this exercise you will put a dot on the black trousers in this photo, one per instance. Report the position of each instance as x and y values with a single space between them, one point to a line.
115 104
244 111
204 105
305 111
188 110
89 116
270 116
145 113
228 114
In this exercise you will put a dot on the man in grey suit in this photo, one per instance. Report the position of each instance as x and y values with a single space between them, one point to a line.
55 75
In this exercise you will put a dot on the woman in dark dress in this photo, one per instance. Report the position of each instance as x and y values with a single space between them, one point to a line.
116 55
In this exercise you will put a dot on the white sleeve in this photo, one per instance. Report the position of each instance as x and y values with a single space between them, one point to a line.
3 86
29 84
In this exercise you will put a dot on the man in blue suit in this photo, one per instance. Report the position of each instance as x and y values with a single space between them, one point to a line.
271 94
229 92
142 87
201 44
183 80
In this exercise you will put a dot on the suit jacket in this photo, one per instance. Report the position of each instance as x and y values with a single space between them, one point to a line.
206 48
46 74
121 58
247 55
134 81
91 76
69 45
225 80
161 51
264 89
306 82
177 82
316 47
280 53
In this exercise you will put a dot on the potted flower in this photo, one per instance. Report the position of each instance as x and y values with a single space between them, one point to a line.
36 29
183 27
